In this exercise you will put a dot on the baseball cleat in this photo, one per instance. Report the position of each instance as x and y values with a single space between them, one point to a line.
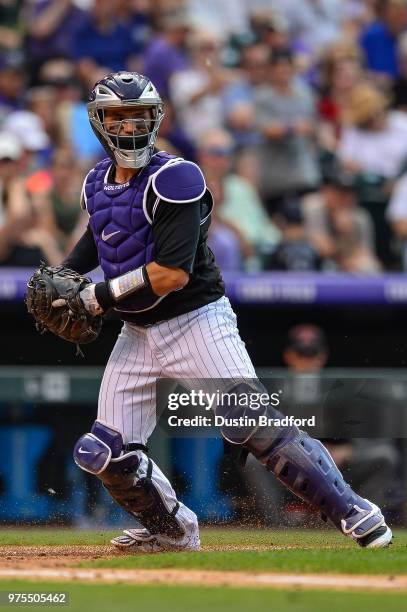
367 526
380 538
141 540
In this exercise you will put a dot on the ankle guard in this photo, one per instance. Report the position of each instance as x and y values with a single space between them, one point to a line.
129 479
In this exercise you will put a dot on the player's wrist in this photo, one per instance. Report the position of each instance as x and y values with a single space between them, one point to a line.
103 295
109 293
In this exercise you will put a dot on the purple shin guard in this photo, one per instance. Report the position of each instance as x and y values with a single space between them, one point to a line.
307 469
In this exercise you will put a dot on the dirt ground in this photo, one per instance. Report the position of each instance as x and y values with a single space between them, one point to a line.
56 563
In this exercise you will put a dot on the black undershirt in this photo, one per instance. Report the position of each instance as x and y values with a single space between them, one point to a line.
179 242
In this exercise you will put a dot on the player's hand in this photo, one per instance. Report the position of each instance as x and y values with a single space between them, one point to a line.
89 300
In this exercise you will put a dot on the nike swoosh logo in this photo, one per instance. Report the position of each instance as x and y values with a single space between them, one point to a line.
82 452
107 236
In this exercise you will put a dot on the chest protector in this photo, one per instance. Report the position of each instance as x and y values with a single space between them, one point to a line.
120 222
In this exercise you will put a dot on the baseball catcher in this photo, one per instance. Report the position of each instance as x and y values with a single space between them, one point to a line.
55 298
149 215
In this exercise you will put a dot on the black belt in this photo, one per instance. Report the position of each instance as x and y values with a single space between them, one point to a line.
133 446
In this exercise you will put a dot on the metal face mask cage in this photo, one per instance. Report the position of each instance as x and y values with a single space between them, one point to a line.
127 150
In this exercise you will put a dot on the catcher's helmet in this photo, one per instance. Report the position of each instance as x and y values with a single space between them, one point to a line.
134 147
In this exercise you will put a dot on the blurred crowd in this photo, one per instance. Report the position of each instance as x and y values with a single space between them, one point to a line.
296 110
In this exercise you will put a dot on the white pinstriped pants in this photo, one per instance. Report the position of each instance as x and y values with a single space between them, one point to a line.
204 343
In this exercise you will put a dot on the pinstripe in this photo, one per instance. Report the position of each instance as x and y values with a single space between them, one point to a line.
159 349
235 336
217 348
136 383
167 344
191 353
182 363
207 375
113 372
142 389
123 364
106 381
241 349
230 337
152 394
234 340
204 343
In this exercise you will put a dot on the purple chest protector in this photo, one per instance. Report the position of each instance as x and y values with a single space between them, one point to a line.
119 219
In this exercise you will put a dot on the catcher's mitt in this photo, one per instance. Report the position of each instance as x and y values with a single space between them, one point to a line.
71 321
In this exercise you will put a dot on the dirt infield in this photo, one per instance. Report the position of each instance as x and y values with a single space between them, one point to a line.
56 563
56 556
52 556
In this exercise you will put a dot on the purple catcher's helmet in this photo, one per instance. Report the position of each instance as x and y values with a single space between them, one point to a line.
126 90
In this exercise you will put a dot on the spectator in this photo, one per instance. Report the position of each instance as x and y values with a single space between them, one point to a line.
217 16
224 239
313 23
29 128
270 29
12 85
52 26
197 91
22 240
57 194
379 39
42 101
397 215
306 352
102 43
253 69
373 140
165 54
137 15
11 31
399 89
240 205
373 145
340 71
173 135
341 230
285 112
239 97
295 253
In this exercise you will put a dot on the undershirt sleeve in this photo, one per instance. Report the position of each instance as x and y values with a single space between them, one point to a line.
84 256
176 229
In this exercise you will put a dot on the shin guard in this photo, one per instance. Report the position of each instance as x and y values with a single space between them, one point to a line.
307 469
132 479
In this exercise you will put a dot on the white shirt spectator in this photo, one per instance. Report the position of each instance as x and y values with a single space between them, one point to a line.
204 114
223 17
316 23
380 152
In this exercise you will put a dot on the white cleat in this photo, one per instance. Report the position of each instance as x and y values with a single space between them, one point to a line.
366 526
381 538
141 540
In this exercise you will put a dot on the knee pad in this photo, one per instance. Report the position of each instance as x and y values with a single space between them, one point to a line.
128 477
